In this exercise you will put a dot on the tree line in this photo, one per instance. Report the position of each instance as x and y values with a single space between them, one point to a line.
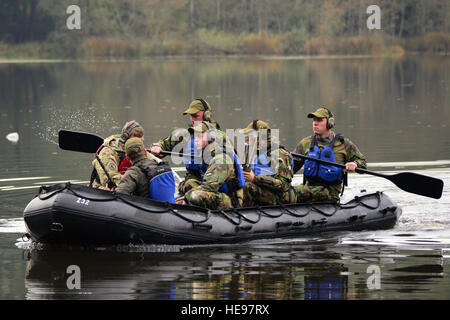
141 27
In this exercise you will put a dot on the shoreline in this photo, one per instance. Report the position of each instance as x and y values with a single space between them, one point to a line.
4 60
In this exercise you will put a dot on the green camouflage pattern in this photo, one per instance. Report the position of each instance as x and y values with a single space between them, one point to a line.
308 193
220 170
177 136
344 152
209 200
109 156
191 180
268 190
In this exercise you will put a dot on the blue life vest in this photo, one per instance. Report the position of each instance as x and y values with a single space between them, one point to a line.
189 162
240 179
261 165
201 168
161 182
322 172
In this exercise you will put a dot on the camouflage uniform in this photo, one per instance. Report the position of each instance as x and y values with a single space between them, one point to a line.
344 152
267 189
112 153
177 136
272 190
135 181
207 194
192 178
221 169
168 143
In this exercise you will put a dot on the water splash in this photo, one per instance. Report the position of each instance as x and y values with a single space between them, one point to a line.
92 118
15 225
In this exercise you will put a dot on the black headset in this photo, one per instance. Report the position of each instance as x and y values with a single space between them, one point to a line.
255 126
330 119
255 123
127 132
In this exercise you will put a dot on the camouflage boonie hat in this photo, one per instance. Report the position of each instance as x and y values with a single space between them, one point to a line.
319 113
255 125
134 147
196 106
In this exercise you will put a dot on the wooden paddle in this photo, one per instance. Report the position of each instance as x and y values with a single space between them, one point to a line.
407 181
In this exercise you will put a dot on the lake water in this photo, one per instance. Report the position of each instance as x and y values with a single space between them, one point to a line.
396 110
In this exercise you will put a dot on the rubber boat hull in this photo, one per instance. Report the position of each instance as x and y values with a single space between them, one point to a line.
75 214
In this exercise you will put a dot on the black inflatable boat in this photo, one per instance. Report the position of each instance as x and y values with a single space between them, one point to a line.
75 214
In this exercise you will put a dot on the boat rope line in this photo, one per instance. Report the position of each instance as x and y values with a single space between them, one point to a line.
233 215
259 209
322 212
360 202
225 214
296 215
175 212
244 216
141 208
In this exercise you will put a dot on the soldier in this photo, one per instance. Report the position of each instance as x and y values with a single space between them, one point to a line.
222 180
199 110
112 155
149 177
269 177
322 182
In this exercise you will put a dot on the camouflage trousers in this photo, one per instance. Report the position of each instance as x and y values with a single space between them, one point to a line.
209 200
188 184
255 195
307 193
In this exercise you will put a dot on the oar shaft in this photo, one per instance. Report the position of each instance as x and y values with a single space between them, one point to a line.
111 183
359 170
407 181
178 154
318 160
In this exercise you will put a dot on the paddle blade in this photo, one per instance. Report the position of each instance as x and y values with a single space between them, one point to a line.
418 184
79 141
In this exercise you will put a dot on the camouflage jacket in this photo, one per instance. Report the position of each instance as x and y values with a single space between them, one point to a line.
111 154
177 136
344 152
190 174
135 181
221 169
284 173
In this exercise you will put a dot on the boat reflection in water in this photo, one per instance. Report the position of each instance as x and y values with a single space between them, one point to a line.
307 269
